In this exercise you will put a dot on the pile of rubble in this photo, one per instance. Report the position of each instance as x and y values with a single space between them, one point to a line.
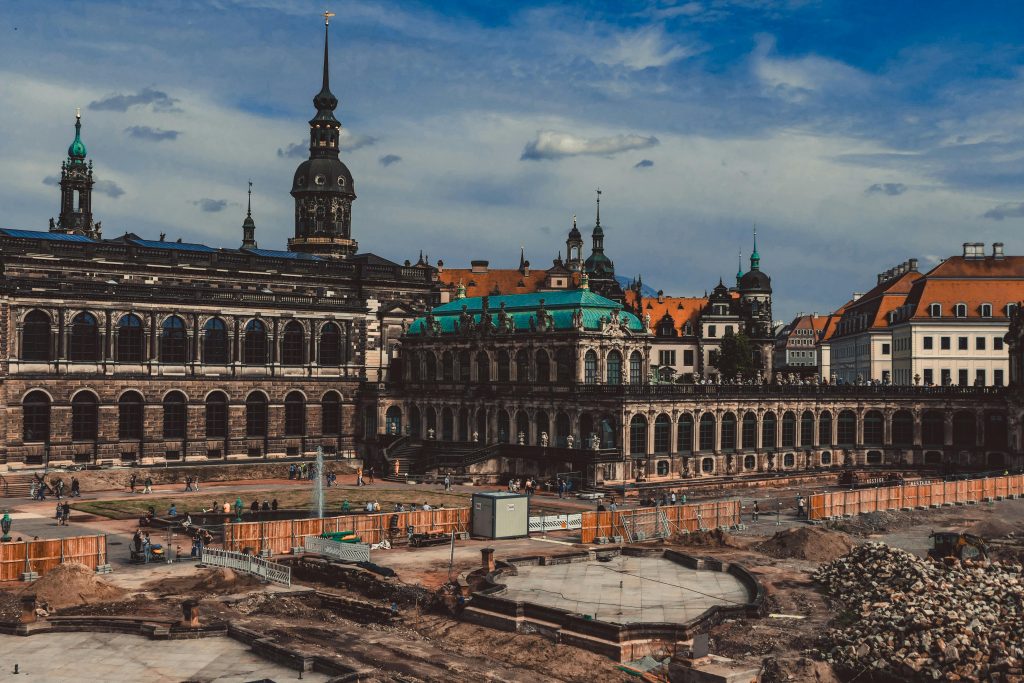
913 619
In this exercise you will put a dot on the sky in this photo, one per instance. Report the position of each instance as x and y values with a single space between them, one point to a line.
853 135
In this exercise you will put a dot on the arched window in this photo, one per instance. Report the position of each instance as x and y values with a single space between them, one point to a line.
707 432
523 426
256 415
873 428
413 359
130 415
729 432
174 415
788 430
902 428
483 368
414 422
807 429
825 428
749 462
330 414
614 373
295 414
215 342
768 430
393 420
663 468
933 428
960 310
590 368
504 371
481 425
447 424
464 367
430 369
330 350
293 341
995 430
638 435
684 433
431 422
608 431
636 368
254 346
543 426
129 339
84 416
522 366
217 415
543 367
662 434
565 366
965 429
35 336
749 431
504 426
788 460
172 340
85 338
35 418
847 428
448 366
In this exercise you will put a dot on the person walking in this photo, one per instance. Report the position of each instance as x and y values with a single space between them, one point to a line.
672 498
756 511
800 507
131 482
370 472
148 485
59 514
65 513
76 488
447 483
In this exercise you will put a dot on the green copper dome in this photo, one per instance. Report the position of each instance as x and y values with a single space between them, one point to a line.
77 148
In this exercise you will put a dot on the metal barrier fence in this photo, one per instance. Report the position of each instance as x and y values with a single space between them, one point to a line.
556 522
349 552
250 564
918 495
688 517
40 556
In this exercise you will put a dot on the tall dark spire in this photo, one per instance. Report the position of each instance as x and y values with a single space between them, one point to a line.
325 101
249 225
76 183
755 258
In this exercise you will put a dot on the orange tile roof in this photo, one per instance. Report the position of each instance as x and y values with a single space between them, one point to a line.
878 302
506 281
831 322
681 309
969 281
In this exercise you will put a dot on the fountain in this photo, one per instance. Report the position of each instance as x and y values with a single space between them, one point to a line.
318 483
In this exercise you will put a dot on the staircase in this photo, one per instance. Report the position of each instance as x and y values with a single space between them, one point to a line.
404 451
15 485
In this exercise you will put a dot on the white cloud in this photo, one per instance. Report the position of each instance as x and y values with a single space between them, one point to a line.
645 48
550 144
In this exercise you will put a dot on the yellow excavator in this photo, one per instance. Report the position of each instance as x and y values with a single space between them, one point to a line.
957 545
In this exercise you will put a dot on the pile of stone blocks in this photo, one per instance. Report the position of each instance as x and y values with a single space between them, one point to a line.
915 619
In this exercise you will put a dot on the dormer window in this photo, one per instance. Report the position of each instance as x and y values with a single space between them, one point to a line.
935 310
1010 309
960 310
986 310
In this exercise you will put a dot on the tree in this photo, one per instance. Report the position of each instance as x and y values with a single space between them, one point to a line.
735 356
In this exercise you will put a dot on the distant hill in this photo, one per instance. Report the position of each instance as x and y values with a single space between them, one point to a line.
646 290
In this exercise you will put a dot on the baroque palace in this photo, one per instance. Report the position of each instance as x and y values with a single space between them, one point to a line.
130 350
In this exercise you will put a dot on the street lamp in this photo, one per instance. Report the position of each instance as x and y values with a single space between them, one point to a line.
5 524
238 509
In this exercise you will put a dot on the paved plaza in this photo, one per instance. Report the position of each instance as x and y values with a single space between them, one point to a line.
114 657
626 589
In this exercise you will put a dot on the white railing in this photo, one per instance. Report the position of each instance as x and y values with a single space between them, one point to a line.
257 566
336 550
556 522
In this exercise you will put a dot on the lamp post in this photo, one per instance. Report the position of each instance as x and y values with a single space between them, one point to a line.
238 509
5 524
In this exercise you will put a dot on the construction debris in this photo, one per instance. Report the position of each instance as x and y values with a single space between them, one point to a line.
811 543
913 619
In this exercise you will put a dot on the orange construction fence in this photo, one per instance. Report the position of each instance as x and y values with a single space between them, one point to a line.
18 557
280 537
691 517
927 494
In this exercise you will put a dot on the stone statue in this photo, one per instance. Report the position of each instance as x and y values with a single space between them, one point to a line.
465 320
430 433
544 321
647 321
521 439
476 437
505 321
570 440
544 439
577 319
595 442
917 379
52 224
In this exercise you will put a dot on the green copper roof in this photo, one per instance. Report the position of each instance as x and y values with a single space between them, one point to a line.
521 308
77 148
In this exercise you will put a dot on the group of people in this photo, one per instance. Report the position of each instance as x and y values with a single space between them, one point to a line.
191 483
133 482
302 470
564 487
39 488
529 487
63 513
359 476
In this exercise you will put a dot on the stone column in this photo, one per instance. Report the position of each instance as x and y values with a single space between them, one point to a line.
760 431
947 424
718 431
816 430
918 429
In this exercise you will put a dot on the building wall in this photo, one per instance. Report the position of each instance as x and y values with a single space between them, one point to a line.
914 359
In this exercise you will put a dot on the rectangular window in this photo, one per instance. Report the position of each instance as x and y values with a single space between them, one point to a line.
997 343
961 377
712 330
979 343
961 343
927 343
979 378
666 358
688 358
929 376
944 343
997 378
885 349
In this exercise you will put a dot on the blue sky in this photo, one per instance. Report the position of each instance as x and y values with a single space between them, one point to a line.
854 134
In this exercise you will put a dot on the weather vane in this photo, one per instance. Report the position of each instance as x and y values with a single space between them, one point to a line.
327 17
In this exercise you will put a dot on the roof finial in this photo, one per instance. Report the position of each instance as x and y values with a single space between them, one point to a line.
755 258
327 22
522 257
248 211
599 207
249 225
78 112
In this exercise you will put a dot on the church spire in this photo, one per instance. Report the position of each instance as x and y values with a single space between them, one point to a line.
755 258
739 265
325 101
249 225
76 183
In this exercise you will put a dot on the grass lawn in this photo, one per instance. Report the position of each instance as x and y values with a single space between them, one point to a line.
290 498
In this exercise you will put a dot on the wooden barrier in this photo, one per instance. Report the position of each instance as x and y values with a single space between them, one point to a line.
280 537
929 494
41 556
691 517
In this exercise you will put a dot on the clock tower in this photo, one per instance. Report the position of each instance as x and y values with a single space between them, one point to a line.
322 186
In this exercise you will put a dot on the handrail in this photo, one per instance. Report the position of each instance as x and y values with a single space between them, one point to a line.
395 444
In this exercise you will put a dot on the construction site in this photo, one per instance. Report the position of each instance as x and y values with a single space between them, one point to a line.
916 579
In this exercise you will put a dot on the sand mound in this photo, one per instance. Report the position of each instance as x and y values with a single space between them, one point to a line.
715 538
73 584
994 528
807 543
205 581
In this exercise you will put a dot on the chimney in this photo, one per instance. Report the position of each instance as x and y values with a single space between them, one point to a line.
857 295
440 266
974 250
661 296
526 269
479 266
912 264
881 278
997 250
